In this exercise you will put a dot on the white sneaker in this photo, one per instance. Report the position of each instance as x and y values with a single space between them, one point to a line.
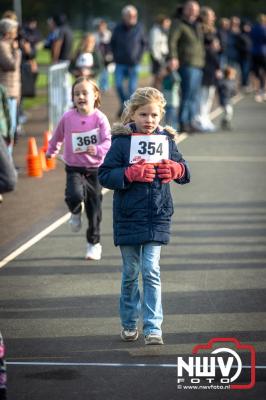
94 251
258 98
75 222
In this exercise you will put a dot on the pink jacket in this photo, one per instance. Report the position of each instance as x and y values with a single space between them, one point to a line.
73 123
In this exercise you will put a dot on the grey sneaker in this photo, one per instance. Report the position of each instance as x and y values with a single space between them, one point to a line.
153 338
75 222
129 335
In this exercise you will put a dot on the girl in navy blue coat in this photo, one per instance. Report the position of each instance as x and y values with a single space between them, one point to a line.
141 162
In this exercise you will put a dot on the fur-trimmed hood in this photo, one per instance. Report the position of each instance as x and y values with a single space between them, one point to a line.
119 129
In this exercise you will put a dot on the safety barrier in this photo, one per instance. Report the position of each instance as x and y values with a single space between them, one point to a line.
59 92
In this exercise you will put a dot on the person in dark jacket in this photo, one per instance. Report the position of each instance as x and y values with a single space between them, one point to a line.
142 205
244 47
61 45
127 43
258 36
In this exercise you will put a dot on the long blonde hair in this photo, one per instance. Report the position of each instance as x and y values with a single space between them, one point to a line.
140 98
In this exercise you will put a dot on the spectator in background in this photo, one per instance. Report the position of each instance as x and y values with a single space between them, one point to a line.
186 49
158 45
128 43
244 47
61 45
233 35
10 14
258 36
223 33
28 39
5 118
8 174
48 44
32 33
211 71
103 43
170 86
10 76
87 60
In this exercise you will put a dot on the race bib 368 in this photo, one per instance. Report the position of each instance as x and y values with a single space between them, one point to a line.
81 140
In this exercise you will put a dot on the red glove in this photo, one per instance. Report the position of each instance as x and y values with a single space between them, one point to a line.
169 170
140 172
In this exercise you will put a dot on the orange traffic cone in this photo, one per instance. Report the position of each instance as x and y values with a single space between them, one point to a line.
51 163
33 160
43 160
46 137
32 147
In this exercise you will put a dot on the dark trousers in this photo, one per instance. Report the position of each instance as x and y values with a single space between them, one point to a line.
82 184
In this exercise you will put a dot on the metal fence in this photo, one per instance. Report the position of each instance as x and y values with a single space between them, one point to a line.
59 92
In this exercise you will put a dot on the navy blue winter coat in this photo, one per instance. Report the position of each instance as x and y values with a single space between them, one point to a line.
128 44
141 211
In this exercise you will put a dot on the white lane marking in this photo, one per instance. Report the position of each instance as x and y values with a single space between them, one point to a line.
95 364
34 240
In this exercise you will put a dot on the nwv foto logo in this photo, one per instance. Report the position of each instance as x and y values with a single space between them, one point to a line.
221 369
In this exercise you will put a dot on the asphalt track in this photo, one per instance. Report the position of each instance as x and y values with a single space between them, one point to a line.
59 313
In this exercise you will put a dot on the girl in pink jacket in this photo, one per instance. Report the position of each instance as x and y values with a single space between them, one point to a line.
85 132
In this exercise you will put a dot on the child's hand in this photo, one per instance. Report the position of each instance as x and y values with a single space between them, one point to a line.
140 172
169 170
91 150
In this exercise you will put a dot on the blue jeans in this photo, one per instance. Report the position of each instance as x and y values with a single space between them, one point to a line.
170 117
104 80
123 72
144 258
190 88
12 105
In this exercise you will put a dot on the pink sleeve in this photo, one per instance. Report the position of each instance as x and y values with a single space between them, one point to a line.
105 134
57 139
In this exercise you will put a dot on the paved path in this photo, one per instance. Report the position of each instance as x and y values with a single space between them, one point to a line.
58 308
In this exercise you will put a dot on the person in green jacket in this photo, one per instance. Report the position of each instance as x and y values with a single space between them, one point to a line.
186 51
